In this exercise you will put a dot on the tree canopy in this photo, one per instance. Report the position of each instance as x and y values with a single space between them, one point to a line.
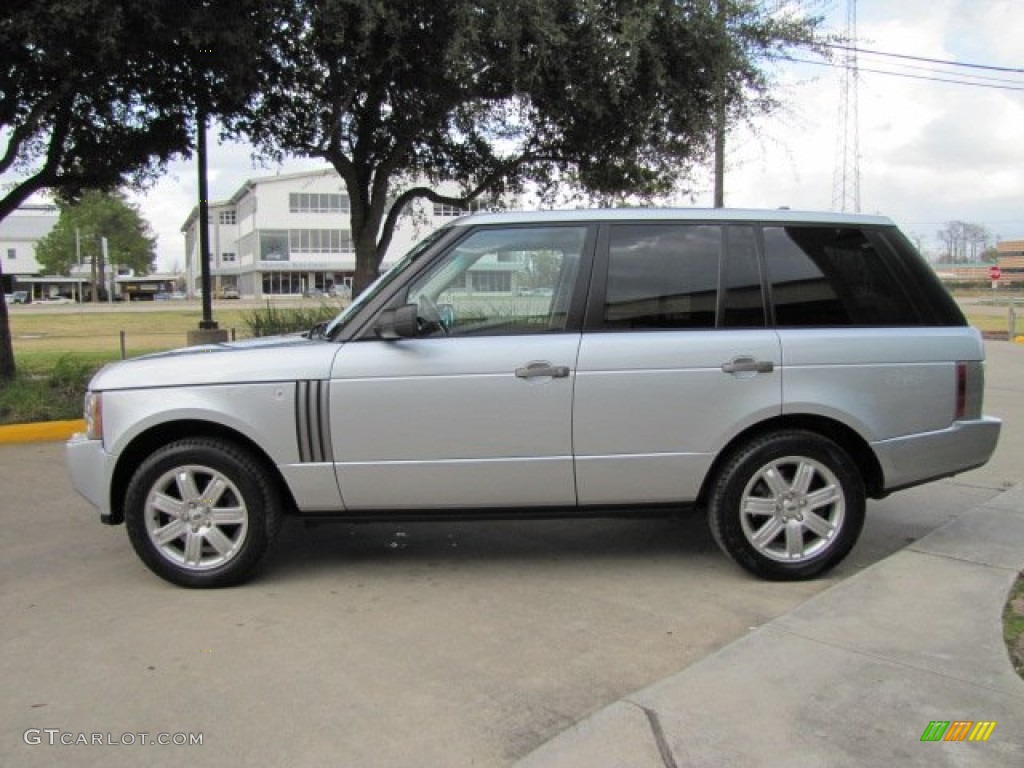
612 96
94 93
82 224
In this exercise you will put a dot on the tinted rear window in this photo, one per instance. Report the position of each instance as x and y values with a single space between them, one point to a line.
663 276
832 276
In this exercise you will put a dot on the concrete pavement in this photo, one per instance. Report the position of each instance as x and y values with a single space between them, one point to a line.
853 677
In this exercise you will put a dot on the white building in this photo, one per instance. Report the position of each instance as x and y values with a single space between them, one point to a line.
289 234
19 233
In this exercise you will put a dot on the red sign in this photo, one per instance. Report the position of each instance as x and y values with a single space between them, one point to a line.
994 273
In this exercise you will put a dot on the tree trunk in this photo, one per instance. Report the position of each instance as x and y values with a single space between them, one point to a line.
367 257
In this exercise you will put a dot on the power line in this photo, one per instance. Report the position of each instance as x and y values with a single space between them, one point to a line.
908 75
959 75
948 62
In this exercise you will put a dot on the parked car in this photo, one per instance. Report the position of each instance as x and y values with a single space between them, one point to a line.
317 293
229 293
771 369
18 297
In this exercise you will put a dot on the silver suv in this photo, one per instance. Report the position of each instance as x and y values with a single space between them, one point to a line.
773 369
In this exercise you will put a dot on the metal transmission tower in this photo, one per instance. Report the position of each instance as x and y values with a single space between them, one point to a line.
846 175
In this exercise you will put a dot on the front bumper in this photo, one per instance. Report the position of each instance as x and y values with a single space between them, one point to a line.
915 459
90 467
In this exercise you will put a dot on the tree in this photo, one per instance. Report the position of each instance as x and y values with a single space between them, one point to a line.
611 96
95 93
82 224
964 241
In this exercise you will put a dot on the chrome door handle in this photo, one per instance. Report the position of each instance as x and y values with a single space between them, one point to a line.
748 365
542 370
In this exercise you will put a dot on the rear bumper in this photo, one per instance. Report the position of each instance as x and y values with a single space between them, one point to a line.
90 467
915 459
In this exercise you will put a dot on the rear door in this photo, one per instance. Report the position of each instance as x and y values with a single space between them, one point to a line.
671 365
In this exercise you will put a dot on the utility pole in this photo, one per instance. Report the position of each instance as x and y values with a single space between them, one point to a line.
105 250
720 116
846 175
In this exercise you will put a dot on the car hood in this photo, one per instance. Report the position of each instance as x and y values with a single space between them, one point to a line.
274 358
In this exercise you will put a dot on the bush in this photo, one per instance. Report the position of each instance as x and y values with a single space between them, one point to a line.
53 395
274 321
70 377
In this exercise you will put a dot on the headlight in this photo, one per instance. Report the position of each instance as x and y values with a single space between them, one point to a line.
93 412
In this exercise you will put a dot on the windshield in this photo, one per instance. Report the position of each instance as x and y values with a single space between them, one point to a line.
383 281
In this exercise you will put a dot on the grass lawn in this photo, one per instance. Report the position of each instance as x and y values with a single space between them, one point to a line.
47 335
57 351
1013 625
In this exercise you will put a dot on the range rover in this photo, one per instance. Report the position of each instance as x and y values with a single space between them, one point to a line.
771 369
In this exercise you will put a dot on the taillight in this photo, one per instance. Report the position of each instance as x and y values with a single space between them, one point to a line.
961 392
970 389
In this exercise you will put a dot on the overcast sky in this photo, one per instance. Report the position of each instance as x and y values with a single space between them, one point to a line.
930 152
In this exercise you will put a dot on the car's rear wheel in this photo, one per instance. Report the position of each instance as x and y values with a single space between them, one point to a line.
787 505
201 513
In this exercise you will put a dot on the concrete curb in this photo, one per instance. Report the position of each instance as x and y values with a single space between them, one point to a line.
46 431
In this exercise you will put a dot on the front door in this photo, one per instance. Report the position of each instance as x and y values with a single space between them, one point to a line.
476 411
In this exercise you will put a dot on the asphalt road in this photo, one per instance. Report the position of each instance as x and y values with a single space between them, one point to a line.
442 644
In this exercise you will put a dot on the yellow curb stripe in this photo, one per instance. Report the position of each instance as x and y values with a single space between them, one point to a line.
42 432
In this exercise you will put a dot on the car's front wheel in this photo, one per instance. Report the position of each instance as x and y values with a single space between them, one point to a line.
201 513
787 505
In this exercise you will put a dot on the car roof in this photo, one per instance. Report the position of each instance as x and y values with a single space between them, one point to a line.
779 215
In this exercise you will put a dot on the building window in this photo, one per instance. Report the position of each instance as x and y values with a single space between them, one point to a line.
320 241
276 283
227 256
273 245
228 217
247 206
12 254
317 202
442 209
492 282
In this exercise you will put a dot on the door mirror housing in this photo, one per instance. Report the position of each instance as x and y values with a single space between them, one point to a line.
400 323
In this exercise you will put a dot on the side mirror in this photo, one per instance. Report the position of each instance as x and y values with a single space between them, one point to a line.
401 323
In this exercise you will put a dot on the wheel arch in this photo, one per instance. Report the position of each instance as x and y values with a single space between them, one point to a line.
855 446
146 442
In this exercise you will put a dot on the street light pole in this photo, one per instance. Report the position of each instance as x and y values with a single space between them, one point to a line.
207 323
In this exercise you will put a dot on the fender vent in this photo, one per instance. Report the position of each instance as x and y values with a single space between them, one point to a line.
312 422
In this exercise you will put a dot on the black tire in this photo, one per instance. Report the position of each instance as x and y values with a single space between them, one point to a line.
788 505
200 512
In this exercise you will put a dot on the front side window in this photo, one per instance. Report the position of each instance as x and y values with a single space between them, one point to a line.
832 276
662 276
503 281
